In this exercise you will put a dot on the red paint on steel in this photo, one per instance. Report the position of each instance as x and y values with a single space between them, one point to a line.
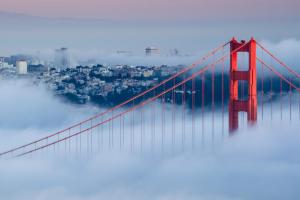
236 105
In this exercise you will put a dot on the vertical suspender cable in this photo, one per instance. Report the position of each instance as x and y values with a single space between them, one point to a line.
80 139
76 146
280 99
112 130
141 120
271 96
213 102
98 137
193 113
203 99
91 138
223 63
120 132
183 116
87 143
65 147
262 89
102 134
173 114
290 97
69 141
123 131
154 124
163 119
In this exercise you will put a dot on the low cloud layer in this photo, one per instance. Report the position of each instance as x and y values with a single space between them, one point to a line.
287 50
259 163
29 111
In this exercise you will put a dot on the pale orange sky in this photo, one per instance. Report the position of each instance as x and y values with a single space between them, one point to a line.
157 9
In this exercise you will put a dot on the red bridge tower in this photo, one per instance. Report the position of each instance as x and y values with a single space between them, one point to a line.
250 104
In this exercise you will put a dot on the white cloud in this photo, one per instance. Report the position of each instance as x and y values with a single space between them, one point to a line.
287 51
253 165
261 163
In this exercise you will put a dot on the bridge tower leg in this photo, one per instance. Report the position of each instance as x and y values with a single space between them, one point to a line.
237 105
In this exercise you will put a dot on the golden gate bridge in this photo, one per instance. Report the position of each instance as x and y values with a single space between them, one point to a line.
176 110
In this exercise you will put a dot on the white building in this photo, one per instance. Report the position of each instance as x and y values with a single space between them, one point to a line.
21 66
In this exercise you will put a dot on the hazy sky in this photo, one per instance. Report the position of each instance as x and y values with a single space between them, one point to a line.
156 9
191 26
